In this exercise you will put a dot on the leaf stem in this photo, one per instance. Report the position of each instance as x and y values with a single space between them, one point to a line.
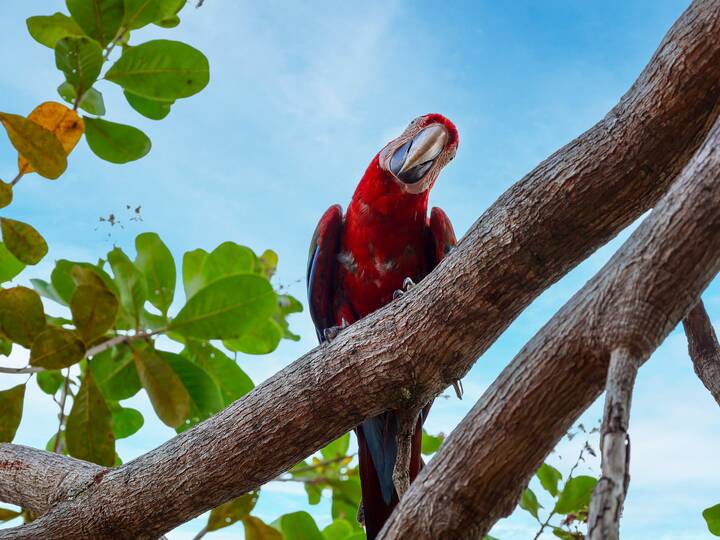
201 533
63 398
17 178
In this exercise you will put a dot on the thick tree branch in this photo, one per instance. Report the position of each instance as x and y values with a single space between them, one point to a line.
632 303
552 219
704 348
609 493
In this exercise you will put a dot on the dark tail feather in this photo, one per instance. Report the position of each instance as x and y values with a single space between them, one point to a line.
376 507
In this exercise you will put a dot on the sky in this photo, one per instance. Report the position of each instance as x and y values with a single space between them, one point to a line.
301 97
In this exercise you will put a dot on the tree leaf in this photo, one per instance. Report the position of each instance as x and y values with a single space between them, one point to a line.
287 305
299 526
431 443
336 449
80 59
529 502
549 477
193 262
48 29
21 315
158 266
9 264
232 511
6 514
56 348
5 347
346 497
712 518
89 433
227 308
149 108
64 284
93 305
100 19
227 259
91 101
116 143
267 263
205 397
11 406
167 393
575 495
50 381
39 146
23 241
339 529
161 69
126 421
6 194
261 338
115 373
256 529
139 13
130 282
229 377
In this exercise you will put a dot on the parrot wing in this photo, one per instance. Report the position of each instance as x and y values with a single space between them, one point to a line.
441 237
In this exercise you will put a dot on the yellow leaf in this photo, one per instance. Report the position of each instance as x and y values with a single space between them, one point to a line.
41 147
63 122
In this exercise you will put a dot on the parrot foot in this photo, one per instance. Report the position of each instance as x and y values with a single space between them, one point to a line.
457 385
361 514
334 331
407 422
407 284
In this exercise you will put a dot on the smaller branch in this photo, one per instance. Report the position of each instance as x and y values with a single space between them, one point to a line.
201 533
20 371
17 178
61 422
704 348
320 464
407 424
609 493
120 34
123 339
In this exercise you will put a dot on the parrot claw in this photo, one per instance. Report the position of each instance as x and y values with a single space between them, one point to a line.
334 331
457 385
407 284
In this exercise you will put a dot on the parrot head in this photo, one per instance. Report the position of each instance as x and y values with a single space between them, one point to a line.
414 160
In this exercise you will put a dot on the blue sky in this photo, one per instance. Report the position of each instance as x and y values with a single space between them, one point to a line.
302 95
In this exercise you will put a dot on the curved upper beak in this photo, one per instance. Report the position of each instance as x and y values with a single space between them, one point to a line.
413 159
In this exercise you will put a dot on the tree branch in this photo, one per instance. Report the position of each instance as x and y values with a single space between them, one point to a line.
572 203
704 348
632 303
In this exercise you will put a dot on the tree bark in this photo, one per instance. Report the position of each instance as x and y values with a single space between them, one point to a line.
635 300
557 215
704 348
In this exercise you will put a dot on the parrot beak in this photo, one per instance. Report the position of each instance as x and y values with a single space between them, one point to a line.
413 160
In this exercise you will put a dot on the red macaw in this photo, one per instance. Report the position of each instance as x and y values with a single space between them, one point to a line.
357 263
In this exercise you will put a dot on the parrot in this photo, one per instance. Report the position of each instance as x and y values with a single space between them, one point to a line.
360 261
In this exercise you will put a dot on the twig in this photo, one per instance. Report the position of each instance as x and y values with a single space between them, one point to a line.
20 371
321 464
15 180
201 533
704 348
609 493
63 399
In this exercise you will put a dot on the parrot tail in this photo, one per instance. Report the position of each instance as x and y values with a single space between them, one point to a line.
377 452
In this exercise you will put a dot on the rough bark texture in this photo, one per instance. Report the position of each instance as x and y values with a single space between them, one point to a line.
704 348
572 203
635 300
609 493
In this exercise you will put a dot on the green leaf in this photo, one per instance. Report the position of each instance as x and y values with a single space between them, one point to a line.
314 493
38 145
262 338
256 529
529 502
149 108
229 377
339 529
205 397
431 443
64 284
23 241
267 263
6 194
139 13
50 381
9 265
100 19
80 59
21 315
299 526
549 477
193 262
48 29
116 143
93 305
11 406
166 390
157 265
88 432
337 449
227 259
126 422
712 518
92 101
115 373
227 308
346 497
56 348
232 511
130 282
46 290
5 347
6 514
287 305
575 495
161 69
